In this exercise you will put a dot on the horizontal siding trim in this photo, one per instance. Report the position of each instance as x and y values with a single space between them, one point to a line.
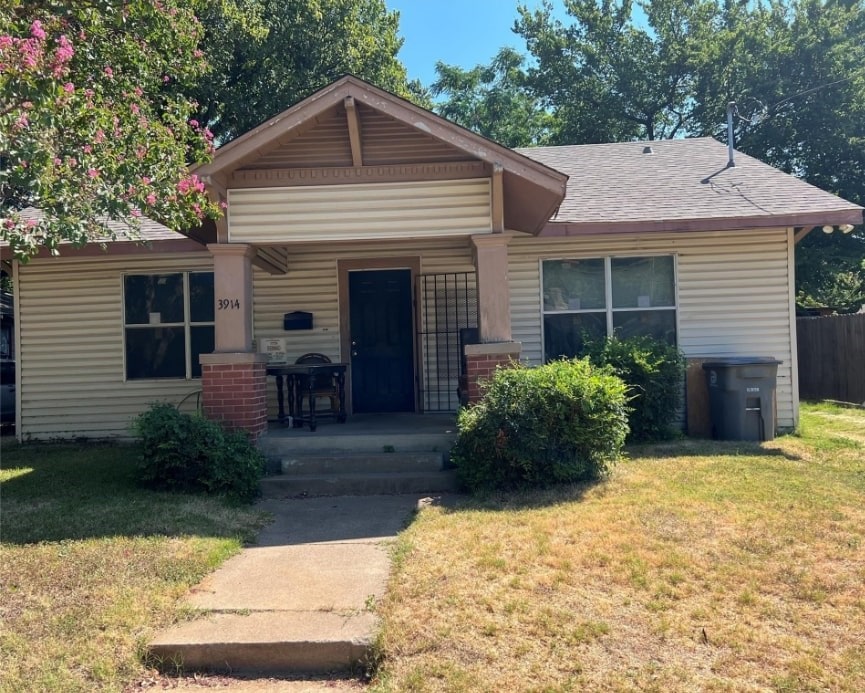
364 211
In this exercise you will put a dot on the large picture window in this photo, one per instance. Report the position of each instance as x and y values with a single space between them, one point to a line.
596 297
168 323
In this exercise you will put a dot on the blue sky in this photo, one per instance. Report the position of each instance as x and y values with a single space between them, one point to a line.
457 32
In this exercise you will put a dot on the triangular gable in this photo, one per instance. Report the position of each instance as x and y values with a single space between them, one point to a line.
391 130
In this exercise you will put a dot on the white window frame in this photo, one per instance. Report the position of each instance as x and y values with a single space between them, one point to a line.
187 323
608 309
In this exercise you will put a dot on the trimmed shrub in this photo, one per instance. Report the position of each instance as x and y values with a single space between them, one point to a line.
182 452
654 372
562 422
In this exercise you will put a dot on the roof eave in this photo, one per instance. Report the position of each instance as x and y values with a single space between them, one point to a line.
849 215
118 247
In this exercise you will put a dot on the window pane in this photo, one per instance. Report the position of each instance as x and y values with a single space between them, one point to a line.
565 333
660 324
642 282
155 352
574 284
153 299
202 343
201 297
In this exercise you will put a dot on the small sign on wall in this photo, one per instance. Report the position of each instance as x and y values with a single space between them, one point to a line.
274 348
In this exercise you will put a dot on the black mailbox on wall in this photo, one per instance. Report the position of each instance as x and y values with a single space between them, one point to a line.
297 320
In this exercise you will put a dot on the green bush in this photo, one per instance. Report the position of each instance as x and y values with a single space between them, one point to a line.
565 421
654 372
182 452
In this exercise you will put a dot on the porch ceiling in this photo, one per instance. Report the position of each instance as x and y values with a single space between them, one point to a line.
351 131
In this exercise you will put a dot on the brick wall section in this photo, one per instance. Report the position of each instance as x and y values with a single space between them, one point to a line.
482 360
235 394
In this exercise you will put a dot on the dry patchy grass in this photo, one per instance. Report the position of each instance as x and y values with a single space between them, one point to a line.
91 565
697 566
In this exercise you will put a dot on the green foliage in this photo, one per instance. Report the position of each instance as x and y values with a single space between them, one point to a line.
193 454
493 100
94 125
565 421
654 373
269 54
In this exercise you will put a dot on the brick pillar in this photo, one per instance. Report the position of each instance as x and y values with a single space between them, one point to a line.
233 390
482 361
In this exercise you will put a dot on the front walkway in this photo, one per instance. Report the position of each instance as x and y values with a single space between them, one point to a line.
303 598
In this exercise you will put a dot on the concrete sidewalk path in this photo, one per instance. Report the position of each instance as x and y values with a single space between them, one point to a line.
302 598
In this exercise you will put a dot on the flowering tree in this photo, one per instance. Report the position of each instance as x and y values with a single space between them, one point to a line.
93 124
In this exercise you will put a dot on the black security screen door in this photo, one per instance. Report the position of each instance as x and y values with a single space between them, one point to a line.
382 351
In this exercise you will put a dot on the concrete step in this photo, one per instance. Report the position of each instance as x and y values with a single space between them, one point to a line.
359 484
272 642
323 442
362 462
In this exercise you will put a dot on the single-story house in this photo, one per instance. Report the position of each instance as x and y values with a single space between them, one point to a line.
415 251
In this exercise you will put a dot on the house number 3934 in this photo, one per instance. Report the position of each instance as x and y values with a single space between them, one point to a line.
228 304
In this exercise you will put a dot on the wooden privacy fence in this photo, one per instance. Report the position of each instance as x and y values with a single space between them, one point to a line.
832 357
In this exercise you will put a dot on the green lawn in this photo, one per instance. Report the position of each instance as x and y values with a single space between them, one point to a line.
91 565
697 566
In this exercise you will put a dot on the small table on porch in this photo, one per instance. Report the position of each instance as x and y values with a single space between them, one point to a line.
306 378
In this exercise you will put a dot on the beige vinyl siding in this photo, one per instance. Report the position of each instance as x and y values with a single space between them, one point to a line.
311 284
71 359
733 293
365 211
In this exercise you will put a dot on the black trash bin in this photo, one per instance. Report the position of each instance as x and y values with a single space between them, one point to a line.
742 397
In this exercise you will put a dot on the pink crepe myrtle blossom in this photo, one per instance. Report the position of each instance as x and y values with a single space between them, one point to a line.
150 199
190 184
87 149
135 108
135 212
145 180
36 30
99 137
108 71
68 87
92 173
32 223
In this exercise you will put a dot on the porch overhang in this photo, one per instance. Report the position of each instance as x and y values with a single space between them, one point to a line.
525 192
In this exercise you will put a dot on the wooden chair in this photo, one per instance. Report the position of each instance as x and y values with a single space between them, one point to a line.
321 387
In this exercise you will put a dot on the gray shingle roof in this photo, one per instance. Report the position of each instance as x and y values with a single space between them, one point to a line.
682 184
150 230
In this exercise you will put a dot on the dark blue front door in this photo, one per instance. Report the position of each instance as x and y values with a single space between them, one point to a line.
382 347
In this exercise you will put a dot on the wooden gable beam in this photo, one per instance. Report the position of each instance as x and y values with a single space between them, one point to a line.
498 199
801 232
353 131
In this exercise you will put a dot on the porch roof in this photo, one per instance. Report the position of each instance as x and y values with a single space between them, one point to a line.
532 190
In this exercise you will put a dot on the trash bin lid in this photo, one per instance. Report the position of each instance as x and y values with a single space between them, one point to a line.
741 361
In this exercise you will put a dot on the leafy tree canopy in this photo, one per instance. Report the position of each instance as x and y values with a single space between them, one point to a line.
493 100
93 123
268 54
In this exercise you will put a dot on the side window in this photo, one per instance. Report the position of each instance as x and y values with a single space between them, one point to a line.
595 297
168 322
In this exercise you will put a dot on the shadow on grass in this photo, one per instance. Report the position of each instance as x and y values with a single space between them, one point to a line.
526 499
56 492
703 447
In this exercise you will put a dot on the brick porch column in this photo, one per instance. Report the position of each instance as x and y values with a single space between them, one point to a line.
233 376
482 361
494 314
